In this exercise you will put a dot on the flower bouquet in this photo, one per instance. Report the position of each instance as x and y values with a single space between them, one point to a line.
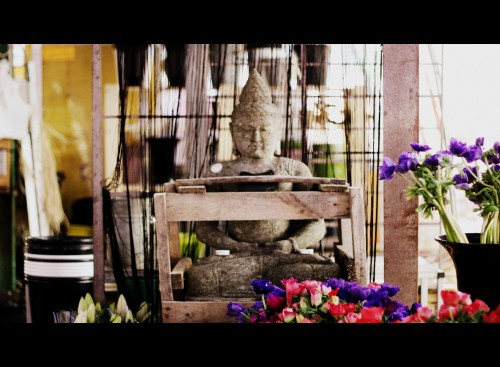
340 301
470 168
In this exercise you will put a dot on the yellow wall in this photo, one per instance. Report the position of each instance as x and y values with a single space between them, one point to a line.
67 113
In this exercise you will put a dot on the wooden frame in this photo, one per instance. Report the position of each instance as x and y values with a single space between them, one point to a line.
336 201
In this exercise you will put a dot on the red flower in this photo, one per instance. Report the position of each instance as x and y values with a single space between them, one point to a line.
474 307
275 302
493 316
447 312
337 310
371 314
454 298
333 292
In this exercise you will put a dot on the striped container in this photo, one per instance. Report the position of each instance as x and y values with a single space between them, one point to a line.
57 272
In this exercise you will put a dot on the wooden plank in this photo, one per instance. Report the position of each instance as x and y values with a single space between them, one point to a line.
97 176
162 243
258 179
358 234
257 206
178 272
198 189
400 129
332 188
169 187
194 312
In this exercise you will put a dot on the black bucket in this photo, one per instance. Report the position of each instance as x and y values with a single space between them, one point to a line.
57 271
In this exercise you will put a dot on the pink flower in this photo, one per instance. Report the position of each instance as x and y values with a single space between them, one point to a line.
425 312
422 315
311 284
316 297
292 288
350 318
288 315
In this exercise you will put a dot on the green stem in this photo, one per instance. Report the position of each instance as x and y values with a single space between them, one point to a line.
491 229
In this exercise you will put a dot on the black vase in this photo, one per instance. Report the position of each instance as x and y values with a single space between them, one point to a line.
477 267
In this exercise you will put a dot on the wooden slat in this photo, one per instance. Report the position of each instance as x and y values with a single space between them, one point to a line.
198 189
401 106
358 235
332 188
162 243
258 179
97 176
293 205
206 311
178 272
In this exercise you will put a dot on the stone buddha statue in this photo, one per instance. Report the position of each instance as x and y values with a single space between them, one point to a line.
258 249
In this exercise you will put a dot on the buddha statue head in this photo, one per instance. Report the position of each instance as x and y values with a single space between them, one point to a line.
255 125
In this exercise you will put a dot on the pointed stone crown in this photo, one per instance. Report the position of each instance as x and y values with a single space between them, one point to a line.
255 100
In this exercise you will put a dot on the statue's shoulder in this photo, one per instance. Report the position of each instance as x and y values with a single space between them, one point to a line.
293 167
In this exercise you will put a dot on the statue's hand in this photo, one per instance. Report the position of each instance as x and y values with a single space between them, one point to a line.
284 246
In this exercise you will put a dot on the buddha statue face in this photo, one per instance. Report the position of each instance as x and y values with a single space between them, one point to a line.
255 124
256 137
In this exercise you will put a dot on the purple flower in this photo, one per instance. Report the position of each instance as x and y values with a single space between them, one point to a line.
496 167
480 141
496 146
392 290
387 169
473 153
277 292
460 178
261 286
396 315
420 148
434 160
353 292
414 307
407 162
234 309
335 283
469 171
257 305
457 147
461 181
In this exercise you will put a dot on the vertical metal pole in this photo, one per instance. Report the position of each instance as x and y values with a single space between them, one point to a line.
97 175
303 70
401 127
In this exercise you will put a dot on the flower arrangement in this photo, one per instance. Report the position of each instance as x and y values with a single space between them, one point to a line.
90 312
340 301
470 168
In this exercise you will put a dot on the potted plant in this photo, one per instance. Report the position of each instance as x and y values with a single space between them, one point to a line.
474 170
